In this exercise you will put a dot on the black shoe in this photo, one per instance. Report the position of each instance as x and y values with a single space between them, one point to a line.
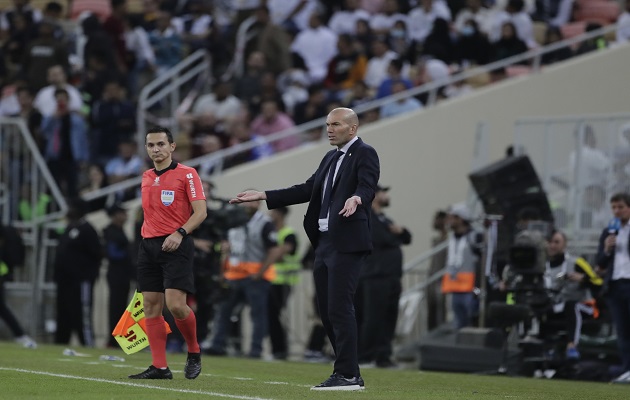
153 373
338 382
193 365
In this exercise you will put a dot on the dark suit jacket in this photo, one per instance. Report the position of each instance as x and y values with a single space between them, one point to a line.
358 175
606 261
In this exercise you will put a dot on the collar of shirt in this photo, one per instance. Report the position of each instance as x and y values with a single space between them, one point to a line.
346 147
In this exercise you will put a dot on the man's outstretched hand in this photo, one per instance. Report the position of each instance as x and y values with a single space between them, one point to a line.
248 195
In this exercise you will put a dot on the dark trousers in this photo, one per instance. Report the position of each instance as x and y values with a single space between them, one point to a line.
619 303
278 296
74 311
7 315
119 284
378 302
336 276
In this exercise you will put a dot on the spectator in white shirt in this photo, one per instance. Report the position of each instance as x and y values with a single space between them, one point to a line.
474 10
221 103
421 18
292 15
317 45
384 21
345 20
45 100
623 25
379 63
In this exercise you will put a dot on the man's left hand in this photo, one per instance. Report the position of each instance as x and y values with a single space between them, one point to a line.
172 242
350 206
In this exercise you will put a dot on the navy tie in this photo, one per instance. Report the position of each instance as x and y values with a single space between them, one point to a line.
323 211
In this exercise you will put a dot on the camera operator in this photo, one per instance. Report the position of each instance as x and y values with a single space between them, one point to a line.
571 282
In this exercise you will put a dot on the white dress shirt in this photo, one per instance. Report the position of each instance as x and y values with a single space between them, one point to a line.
323 223
622 257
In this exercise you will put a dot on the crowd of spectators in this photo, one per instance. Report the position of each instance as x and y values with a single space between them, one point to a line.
74 73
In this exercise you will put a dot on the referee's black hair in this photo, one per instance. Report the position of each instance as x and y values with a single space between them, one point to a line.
160 129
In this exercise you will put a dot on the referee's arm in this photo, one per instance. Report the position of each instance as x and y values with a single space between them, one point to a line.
172 242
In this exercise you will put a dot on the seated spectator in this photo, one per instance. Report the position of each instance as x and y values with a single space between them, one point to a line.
17 42
53 12
554 12
248 86
422 17
271 120
67 147
45 98
476 11
364 37
472 46
399 40
210 144
623 25
241 134
203 125
195 26
166 43
382 22
126 165
113 120
515 13
292 15
596 43
439 43
268 91
345 19
509 44
554 35
379 62
394 73
312 108
293 85
41 54
346 68
317 45
401 106
271 41
21 12
221 103
432 71
97 179
359 94
114 26
137 41
30 115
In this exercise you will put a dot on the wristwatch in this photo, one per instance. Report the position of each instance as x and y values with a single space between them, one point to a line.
182 232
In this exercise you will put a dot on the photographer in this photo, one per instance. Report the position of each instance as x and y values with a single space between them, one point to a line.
571 282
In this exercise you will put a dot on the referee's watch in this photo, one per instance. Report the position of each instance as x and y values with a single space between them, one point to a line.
182 232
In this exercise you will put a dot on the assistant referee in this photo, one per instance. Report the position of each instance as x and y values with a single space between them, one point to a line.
174 204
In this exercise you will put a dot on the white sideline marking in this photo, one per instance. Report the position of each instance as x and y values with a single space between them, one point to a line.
231 396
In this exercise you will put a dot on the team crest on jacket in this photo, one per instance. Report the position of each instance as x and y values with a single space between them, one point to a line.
167 197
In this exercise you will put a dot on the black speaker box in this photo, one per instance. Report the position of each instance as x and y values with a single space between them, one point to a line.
505 188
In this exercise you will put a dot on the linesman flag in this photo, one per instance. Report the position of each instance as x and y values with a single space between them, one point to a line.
130 332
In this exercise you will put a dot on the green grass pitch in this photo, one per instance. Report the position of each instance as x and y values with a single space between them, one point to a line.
45 373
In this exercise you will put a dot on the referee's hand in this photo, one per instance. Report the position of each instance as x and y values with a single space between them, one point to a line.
172 242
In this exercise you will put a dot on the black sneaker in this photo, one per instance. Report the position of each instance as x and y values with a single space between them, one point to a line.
338 382
193 365
153 373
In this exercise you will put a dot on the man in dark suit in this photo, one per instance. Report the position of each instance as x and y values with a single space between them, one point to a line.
614 259
337 222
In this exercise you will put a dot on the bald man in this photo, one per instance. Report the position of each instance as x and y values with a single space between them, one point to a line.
337 222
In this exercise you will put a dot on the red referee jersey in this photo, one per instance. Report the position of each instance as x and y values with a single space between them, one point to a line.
167 197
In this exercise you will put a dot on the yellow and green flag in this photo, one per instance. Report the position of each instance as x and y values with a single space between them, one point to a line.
130 332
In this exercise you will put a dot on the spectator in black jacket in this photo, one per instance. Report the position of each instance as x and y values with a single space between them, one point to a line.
379 285
76 266
509 44
121 268
554 35
472 46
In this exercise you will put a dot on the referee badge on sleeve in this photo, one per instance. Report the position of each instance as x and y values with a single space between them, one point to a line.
167 197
